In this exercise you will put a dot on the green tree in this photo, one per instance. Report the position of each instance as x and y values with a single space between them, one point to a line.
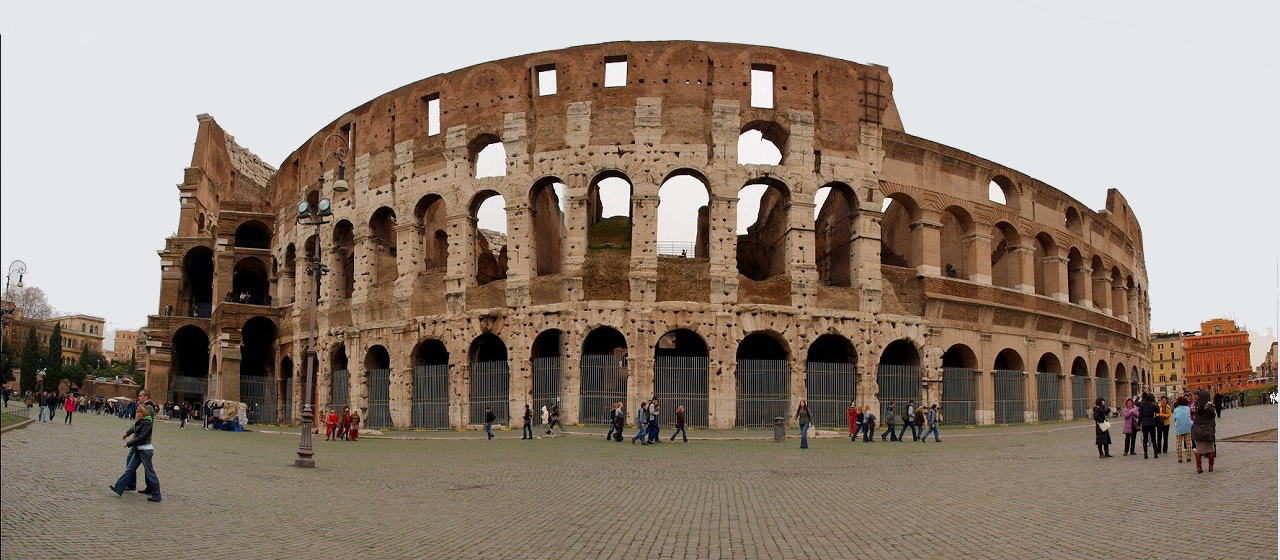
30 361
92 360
8 359
53 357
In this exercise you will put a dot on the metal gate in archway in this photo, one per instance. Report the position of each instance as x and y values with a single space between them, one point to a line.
1102 390
830 387
182 387
604 382
899 384
1079 396
546 385
763 391
259 396
379 414
1010 396
682 381
1122 392
286 415
959 396
490 387
1048 396
340 390
431 396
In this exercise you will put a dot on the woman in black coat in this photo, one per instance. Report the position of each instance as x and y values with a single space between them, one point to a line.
1147 409
1204 432
1101 437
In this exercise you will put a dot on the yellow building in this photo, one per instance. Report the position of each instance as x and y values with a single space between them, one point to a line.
1168 367
78 332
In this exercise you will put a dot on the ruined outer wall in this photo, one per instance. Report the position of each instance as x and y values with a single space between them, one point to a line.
683 108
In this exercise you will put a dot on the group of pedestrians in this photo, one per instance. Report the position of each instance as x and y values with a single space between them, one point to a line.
922 422
550 421
50 403
342 428
1193 419
647 422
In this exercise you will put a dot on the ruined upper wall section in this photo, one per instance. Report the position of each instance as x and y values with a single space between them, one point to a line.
222 175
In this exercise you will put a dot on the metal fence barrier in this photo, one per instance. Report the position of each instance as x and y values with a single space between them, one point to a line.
431 396
286 414
682 381
899 383
490 387
763 391
379 415
830 387
259 395
603 382
340 390
182 384
546 385
1048 396
959 396
1102 390
1079 397
1010 396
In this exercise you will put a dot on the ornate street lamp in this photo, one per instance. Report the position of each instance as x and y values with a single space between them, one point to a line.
15 267
309 216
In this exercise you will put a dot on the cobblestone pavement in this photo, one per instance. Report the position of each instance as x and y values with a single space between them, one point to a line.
1020 492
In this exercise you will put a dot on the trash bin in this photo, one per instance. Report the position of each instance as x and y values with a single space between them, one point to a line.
779 429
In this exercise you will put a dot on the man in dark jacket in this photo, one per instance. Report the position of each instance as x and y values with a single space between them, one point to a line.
489 418
142 453
1217 403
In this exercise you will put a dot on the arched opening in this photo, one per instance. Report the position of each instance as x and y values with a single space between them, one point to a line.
957 225
680 369
285 388
377 369
253 235
763 379
683 215
835 207
1073 223
433 232
489 210
1101 287
959 385
1005 269
1077 277
546 360
430 361
488 156
197 282
607 264
1121 384
831 378
1049 388
490 385
289 275
344 243
249 282
763 227
1001 191
1080 401
895 231
1046 265
257 359
1135 379
339 379
762 143
603 379
189 373
546 214
1010 383
1102 385
382 245
898 375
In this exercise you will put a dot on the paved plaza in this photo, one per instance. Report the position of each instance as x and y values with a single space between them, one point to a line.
1017 492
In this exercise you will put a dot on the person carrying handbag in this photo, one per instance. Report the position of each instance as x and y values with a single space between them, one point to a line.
1102 428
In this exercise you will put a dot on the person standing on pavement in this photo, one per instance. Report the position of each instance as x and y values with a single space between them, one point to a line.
353 432
1147 411
546 420
851 414
344 423
1205 430
805 419
680 425
1129 416
933 418
619 421
1217 407
527 431
1102 428
143 453
489 417
859 419
642 424
1182 427
653 420
907 420
919 421
1162 425
330 424
555 419
891 421
69 406
868 425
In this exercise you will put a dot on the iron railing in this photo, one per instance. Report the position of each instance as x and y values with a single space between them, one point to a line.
1048 396
379 415
959 396
899 383
188 385
1079 397
830 387
340 390
682 381
1102 390
546 385
431 396
603 382
1010 396
490 387
763 391
259 395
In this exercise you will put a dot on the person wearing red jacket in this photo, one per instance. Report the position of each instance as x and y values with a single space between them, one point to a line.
852 414
330 424
69 405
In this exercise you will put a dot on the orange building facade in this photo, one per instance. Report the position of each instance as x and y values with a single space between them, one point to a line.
1218 357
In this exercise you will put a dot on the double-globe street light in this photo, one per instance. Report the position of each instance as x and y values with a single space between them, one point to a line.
15 267
309 215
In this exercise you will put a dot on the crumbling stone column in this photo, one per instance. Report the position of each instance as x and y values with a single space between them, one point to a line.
1119 297
644 248
1055 276
723 244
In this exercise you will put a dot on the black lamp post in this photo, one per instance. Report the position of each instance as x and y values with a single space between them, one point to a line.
317 216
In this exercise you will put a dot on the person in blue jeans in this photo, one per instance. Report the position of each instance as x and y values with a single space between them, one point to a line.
489 417
528 423
933 418
642 425
911 411
804 418
142 453
891 421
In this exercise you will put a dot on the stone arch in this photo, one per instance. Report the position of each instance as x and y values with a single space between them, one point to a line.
1101 287
602 374
1009 376
546 217
196 294
609 192
762 142
490 382
382 236
831 377
249 282
1071 217
898 374
430 404
189 372
488 156
546 360
960 385
1002 190
762 245
1009 359
684 221
377 378
1005 269
339 378
763 375
1045 265
959 356
344 245
900 211
257 369
433 233
681 374
253 234
835 214
289 275
1077 277
490 244
957 226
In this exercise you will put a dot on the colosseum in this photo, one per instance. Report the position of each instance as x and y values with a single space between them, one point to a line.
731 228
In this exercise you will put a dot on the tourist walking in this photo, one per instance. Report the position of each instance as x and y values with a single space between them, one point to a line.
143 453
1162 425
891 421
546 420
1204 432
859 418
353 431
680 425
70 407
330 424
851 414
919 421
619 421
653 420
1217 407
642 424
1102 428
527 431
555 419
344 423
1147 411
907 416
805 418
180 410
933 419
1182 427
868 425
1129 416
40 402
489 417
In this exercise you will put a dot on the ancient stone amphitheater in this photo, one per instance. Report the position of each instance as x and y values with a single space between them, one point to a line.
866 264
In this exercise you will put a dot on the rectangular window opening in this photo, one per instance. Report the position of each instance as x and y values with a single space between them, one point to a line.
433 114
615 71
546 79
762 85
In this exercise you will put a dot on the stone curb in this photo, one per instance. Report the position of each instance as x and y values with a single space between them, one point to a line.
22 424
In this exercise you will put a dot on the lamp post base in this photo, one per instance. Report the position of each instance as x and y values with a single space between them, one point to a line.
305 452
304 462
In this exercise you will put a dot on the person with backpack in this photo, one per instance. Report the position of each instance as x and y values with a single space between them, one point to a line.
555 419
890 420
868 426
642 424
489 417
908 415
934 419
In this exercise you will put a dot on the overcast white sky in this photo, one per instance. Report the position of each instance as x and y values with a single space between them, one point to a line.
1172 103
